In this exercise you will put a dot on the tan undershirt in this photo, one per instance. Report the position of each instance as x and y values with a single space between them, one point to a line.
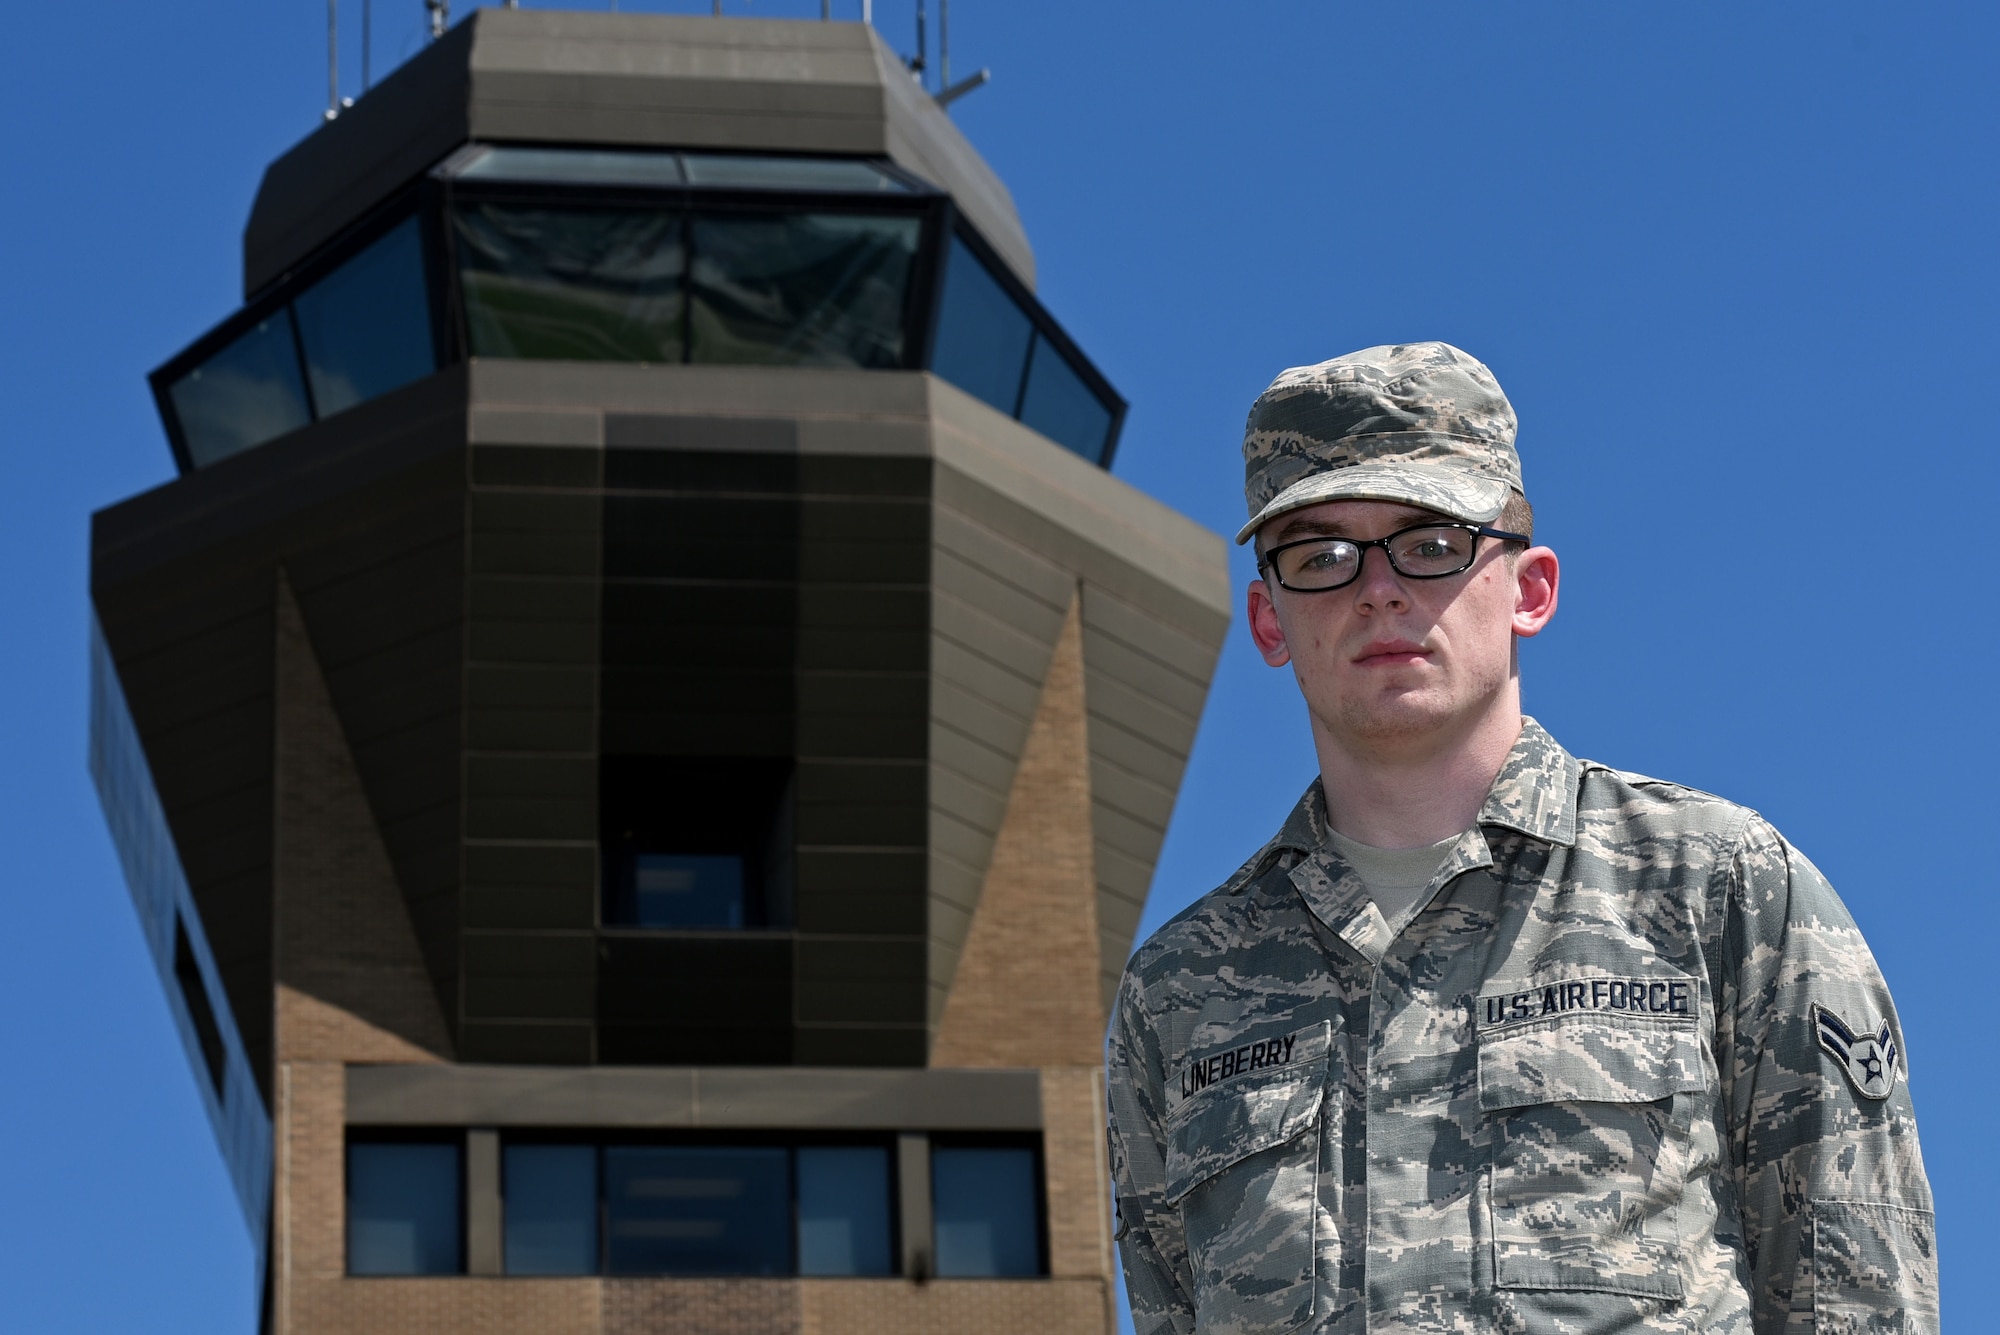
1395 877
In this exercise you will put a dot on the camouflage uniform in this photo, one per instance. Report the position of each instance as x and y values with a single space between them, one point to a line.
1631 1068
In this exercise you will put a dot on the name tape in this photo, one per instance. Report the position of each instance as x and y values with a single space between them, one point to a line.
1643 996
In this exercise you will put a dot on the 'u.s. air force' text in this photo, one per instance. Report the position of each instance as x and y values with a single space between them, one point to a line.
1647 996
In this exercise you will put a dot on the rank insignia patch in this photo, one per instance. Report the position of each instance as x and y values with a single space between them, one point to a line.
1870 1060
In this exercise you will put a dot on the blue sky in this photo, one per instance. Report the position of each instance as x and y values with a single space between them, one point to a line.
1734 264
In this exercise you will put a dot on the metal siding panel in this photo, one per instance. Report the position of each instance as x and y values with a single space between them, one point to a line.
982 547
1193 656
978 718
973 672
996 596
1022 653
1145 715
1124 834
976 761
1113 659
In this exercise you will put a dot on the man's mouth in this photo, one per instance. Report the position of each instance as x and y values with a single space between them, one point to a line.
1389 653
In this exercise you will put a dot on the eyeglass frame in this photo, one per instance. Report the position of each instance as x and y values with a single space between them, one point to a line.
1478 531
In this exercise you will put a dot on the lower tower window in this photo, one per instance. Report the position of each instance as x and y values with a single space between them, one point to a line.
986 1210
405 1208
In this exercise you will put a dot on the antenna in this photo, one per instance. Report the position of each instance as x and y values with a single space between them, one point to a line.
332 58
949 92
917 61
367 40
440 12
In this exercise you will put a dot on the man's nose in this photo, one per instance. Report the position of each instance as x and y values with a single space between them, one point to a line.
1378 585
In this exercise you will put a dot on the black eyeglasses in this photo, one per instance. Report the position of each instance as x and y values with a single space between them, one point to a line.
1428 551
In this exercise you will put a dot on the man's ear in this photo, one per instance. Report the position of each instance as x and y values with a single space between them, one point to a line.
1537 575
1265 628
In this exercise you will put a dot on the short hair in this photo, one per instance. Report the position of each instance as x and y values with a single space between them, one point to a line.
1517 516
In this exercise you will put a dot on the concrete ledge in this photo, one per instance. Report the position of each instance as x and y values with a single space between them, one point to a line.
733 1097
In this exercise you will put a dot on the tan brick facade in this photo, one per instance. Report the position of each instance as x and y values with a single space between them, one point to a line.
701 1307
1025 993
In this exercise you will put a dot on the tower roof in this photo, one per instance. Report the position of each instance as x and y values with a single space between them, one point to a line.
565 77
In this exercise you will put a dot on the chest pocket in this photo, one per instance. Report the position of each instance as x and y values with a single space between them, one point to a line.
1590 1113
1243 1169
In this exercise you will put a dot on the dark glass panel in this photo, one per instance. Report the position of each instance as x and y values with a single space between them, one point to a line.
1061 406
696 842
982 335
366 327
403 1203
983 1203
194 992
800 289
551 1209
581 166
687 890
715 1000
571 284
742 172
712 1210
248 393
844 1210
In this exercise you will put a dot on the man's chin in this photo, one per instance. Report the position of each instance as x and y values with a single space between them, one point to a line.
1400 720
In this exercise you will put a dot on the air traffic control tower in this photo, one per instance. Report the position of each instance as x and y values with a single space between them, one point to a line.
640 734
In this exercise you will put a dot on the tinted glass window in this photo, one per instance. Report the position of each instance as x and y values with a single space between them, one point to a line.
695 844
829 174
366 327
982 336
403 1209
687 890
194 992
248 393
800 289
569 164
983 1200
550 1204
844 1210
1061 406
571 284
697 1211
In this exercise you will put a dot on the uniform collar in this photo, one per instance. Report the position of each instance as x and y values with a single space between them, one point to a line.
1534 793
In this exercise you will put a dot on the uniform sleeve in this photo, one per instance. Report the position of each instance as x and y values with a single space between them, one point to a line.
1837 1217
1150 1240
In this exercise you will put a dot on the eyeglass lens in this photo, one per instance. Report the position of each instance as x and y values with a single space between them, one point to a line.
1421 553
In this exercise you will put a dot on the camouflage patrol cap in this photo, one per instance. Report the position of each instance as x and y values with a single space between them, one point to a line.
1419 423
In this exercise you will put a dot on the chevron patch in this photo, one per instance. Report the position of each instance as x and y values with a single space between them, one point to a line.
1871 1060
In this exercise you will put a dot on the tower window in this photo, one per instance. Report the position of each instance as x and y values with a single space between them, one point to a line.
696 844
697 1210
987 1214
758 1206
551 1196
194 993
405 1213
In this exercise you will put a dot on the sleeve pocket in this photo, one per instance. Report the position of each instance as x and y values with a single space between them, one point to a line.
1874 1269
